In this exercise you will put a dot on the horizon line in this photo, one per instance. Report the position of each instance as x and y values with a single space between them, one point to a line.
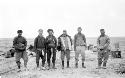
86 37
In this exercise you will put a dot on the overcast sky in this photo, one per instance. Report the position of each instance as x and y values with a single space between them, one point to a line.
91 15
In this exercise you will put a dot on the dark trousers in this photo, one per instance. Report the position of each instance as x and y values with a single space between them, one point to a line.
41 55
51 53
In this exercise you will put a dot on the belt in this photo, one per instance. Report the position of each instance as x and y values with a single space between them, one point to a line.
40 49
80 45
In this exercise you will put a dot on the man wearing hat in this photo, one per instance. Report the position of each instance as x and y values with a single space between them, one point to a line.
51 45
39 46
79 47
20 45
65 42
103 42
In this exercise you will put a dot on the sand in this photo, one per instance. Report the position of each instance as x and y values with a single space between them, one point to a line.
89 72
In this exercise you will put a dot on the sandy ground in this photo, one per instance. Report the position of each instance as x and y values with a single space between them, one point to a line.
89 72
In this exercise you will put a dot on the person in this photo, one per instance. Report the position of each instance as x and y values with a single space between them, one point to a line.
79 47
103 42
20 44
65 43
39 47
51 46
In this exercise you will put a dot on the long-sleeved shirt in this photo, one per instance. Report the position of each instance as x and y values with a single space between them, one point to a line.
39 42
19 39
51 40
103 41
79 40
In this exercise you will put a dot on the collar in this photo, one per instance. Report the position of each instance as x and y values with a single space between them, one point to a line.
40 36
102 35
79 33
19 36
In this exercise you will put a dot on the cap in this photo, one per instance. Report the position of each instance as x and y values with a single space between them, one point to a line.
101 29
40 30
50 30
19 31
79 28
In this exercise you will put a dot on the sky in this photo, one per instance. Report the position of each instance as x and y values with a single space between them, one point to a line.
91 15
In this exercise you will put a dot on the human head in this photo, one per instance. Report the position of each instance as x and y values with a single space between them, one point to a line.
50 31
40 31
79 29
64 32
102 31
19 32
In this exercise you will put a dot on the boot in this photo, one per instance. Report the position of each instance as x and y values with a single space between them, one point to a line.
37 65
19 67
43 63
18 64
104 65
67 64
62 64
83 66
76 65
54 66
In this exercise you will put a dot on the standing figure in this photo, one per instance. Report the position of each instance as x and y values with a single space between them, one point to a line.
79 47
103 42
39 46
65 44
51 45
20 45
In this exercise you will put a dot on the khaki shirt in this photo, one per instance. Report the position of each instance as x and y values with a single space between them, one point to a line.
79 40
103 41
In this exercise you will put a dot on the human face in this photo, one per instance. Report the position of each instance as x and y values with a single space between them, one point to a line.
40 32
102 32
65 32
19 34
79 30
50 33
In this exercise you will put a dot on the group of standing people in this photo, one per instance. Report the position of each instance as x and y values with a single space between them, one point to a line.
46 48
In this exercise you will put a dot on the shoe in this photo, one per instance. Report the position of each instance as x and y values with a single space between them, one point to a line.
103 67
43 68
18 70
48 68
62 67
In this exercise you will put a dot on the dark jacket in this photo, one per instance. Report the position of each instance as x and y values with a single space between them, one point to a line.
17 40
39 43
51 40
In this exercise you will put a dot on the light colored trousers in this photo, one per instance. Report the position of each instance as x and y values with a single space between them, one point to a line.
23 55
80 50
